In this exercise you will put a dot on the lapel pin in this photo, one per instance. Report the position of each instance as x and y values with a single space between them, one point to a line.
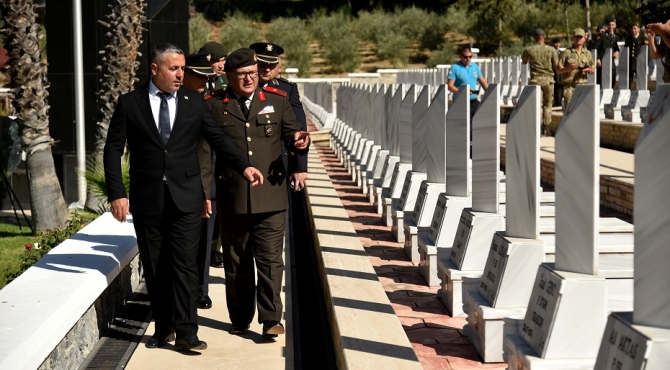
186 97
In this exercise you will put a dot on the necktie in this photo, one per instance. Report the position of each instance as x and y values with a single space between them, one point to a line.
164 118
243 106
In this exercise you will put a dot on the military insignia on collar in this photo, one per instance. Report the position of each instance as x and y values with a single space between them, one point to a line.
269 47
268 130
209 57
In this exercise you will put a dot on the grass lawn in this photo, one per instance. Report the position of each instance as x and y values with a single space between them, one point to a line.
12 244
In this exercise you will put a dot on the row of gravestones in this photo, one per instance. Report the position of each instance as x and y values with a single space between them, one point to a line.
536 273
508 72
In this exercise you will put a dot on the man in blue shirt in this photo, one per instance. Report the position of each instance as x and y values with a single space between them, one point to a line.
465 72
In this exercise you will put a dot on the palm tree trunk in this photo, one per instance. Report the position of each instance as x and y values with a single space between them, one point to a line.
28 74
124 24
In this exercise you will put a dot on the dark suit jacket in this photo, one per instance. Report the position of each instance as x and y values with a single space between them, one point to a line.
260 136
294 162
150 160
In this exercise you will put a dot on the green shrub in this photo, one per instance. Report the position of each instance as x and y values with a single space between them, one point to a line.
514 49
412 22
371 26
394 48
239 32
47 240
198 33
292 35
445 54
338 42
433 35
95 180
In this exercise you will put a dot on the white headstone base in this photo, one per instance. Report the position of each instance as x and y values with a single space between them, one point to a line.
421 216
405 203
394 192
628 346
521 357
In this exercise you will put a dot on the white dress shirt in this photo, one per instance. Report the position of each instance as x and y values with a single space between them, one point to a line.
155 102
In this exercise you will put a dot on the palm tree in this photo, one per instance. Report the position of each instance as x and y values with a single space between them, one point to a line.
119 64
29 84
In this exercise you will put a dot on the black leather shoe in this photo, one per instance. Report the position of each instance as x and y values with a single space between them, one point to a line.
272 328
239 329
189 342
216 260
158 340
204 302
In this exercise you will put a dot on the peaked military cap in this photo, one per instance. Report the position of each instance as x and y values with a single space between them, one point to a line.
267 52
240 58
200 64
217 50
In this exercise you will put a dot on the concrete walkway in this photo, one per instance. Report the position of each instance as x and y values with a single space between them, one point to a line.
224 351
437 339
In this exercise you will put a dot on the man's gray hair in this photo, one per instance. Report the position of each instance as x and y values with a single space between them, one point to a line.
163 48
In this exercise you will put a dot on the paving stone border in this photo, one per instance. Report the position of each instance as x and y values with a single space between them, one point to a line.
366 332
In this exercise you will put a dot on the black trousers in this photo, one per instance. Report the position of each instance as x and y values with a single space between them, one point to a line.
245 238
168 245
208 231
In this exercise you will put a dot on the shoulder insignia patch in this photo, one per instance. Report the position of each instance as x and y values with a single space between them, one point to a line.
282 79
226 99
215 94
261 96
275 91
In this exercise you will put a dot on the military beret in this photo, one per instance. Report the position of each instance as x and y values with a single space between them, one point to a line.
240 58
200 64
267 52
578 32
217 50
539 32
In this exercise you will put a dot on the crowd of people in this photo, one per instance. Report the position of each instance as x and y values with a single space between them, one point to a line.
214 141
558 71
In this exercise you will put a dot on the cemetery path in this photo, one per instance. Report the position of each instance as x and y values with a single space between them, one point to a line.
436 337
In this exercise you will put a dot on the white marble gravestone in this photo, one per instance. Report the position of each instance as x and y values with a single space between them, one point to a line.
642 70
606 81
413 178
442 222
591 78
478 224
434 122
567 309
514 254
392 102
623 68
380 151
642 340
620 98
638 99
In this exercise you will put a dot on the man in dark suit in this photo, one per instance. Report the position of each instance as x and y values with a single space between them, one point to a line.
161 124
268 76
252 220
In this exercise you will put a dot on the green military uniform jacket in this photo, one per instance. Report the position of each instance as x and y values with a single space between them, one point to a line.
542 59
271 120
581 59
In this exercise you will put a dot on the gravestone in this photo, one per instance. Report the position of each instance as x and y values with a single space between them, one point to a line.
433 121
379 153
393 99
623 68
591 78
513 255
642 70
478 224
515 74
606 82
620 98
454 196
413 178
641 339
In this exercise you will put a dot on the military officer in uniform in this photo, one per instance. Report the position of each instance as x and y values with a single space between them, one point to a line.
542 60
575 63
608 40
634 42
252 221
218 54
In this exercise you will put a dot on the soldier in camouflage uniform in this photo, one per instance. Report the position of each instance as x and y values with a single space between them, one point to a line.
575 63
542 60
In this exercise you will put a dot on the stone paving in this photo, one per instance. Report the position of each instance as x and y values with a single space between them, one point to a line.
436 337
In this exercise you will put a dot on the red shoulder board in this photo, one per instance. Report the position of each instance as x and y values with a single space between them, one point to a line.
261 96
226 99
216 93
275 90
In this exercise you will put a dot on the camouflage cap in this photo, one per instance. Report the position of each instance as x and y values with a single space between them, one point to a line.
578 32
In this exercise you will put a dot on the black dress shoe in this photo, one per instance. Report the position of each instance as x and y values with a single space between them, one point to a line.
189 342
216 260
204 302
239 329
158 340
272 328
